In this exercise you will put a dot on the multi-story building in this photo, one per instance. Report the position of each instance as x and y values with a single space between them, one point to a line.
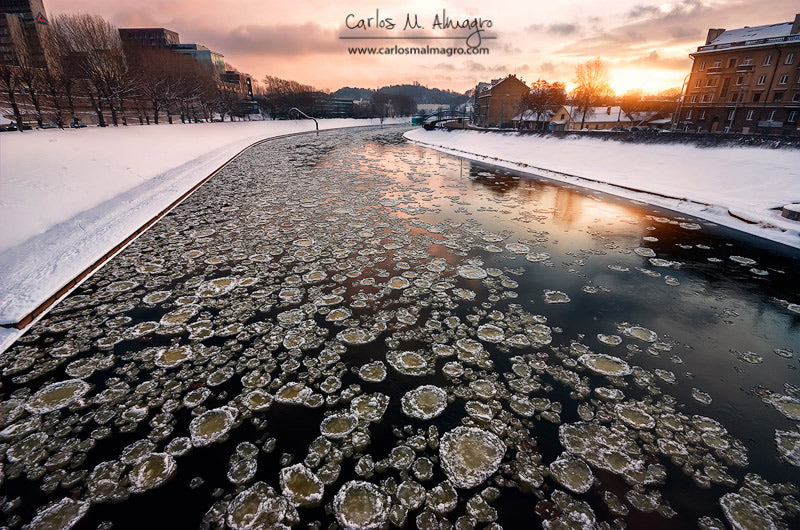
499 102
238 82
155 37
745 80
213 60
25 31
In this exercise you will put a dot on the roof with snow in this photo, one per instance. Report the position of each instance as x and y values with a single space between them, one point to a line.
752 36
598 114
530 115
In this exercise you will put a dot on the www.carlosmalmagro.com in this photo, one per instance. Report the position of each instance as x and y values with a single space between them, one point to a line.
418 50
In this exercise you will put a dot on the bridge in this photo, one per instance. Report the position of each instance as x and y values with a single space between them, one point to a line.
430 121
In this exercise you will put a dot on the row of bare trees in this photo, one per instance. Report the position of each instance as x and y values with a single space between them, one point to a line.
88 69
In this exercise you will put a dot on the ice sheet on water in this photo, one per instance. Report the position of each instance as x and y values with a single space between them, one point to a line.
470 455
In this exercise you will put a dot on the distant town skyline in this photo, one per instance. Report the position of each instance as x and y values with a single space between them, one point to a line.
645 44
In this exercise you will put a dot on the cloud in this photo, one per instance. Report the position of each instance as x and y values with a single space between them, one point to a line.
684 25
562 29
281 39
655 60
641 10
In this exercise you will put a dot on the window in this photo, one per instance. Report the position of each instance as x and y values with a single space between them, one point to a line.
731 62
740 80
762 80
726 83
689 115
792 117
702 66
694 99
709 82
747 61
789 58
702 115
756 97
771 115
784 79
697 83
796 97
730 115
768 60
749 116
778 96
717 64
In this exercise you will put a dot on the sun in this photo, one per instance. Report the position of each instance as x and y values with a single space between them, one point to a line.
649 80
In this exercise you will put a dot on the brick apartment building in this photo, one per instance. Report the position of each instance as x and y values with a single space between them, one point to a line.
498 103
745 80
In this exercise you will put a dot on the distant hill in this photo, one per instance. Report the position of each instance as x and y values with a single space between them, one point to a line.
353 93
419 93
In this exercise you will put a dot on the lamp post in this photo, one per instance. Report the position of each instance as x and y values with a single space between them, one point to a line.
677 114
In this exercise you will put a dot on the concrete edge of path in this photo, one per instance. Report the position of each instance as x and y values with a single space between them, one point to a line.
10 337
729 220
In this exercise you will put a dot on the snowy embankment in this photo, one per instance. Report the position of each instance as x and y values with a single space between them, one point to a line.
68 197
739 187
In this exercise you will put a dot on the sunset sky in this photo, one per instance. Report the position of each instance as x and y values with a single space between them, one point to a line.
645 43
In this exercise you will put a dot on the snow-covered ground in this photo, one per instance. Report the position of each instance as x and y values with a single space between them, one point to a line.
68 197
725 185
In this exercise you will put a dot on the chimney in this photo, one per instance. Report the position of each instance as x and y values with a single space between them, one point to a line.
713 33
796 25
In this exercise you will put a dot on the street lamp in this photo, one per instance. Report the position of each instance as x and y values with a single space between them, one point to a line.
677 114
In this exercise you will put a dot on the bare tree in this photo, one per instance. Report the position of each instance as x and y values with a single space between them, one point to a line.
30 77
95 48
9 84
592 87
542 97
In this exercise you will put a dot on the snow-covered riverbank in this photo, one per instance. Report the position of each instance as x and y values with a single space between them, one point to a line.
738 187
68 197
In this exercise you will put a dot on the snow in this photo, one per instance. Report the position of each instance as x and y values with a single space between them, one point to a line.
770 31
68 197
726 185
598 115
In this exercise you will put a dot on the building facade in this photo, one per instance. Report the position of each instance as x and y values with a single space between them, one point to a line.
213 60
746 81
154 37
499 102
569 118
25 29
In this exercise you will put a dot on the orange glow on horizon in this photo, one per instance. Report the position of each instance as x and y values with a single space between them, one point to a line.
649 80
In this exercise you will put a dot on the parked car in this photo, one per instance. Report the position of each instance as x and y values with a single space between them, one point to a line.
49 125
77 125
8 127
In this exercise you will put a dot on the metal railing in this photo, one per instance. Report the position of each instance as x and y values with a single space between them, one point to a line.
316 123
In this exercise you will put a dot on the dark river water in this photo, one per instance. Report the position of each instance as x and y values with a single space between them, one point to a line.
350 330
